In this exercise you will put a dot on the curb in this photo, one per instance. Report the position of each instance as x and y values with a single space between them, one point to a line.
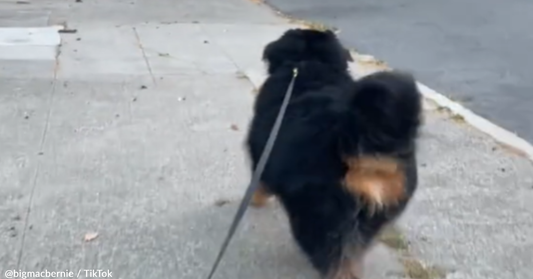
505 137
512 142
366 64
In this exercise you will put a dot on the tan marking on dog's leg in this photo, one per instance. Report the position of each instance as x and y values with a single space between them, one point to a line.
345 272
349 268
358 268
261 196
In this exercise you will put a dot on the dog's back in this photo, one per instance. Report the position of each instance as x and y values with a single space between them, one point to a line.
322 82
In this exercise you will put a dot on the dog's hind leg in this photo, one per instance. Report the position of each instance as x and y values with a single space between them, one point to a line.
261 196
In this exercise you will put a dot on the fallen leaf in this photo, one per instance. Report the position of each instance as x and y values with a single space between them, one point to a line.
221 202
90 236
68 31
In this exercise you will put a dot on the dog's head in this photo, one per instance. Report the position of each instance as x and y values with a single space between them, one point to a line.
306 45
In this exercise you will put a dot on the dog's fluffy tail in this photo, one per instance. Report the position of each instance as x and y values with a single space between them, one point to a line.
385 115
387 108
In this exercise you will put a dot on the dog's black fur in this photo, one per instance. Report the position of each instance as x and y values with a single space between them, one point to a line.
331 118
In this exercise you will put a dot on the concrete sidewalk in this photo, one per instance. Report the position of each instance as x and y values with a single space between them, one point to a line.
133 139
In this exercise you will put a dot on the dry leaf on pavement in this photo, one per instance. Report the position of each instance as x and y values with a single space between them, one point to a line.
90 236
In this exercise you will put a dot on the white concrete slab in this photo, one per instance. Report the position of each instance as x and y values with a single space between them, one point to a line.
33 43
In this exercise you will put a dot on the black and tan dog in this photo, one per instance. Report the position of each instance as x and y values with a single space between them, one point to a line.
343 165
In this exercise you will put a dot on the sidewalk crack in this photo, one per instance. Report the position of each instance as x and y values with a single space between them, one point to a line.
40 152
146 61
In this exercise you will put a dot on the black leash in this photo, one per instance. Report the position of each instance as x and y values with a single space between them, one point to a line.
256 175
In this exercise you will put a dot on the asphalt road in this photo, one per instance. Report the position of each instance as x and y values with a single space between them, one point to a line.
476 52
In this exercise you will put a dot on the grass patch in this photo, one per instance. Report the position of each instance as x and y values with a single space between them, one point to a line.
453 116
394 239
458 118
315 25
443 109
414 269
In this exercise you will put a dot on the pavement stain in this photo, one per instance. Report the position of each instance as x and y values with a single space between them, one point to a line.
511 150
234 127
241 75
12 231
